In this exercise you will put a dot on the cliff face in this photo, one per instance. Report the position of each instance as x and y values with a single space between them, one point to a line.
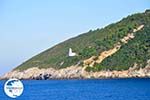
119 50
78 72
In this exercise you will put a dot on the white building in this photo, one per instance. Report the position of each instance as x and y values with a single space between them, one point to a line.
71 54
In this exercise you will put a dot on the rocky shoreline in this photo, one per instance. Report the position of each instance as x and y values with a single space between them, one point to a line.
76 72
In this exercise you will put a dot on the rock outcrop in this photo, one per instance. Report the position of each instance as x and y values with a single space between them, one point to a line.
78 72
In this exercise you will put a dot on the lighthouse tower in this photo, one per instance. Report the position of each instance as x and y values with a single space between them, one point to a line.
71 54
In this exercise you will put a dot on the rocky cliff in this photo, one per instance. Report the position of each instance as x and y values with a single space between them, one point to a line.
78 72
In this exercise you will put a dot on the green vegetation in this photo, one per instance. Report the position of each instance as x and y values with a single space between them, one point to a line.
96 41
136 51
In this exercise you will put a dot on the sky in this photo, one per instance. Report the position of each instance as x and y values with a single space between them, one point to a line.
28 27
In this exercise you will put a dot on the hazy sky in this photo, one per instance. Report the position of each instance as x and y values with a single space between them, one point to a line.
28 27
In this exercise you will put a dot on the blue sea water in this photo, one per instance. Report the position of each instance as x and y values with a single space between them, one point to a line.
94 89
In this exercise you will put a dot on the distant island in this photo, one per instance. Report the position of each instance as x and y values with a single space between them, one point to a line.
120 50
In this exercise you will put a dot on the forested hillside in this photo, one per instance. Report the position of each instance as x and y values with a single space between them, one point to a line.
92 43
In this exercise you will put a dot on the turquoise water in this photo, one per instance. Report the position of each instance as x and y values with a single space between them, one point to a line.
105 89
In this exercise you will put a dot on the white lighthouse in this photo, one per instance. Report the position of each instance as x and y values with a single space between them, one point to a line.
71 54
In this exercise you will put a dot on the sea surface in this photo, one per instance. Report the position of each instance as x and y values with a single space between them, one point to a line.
93 89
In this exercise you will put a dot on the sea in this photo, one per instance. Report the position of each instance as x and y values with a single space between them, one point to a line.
89 89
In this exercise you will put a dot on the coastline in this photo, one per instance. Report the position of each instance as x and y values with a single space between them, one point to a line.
76 72
82 79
